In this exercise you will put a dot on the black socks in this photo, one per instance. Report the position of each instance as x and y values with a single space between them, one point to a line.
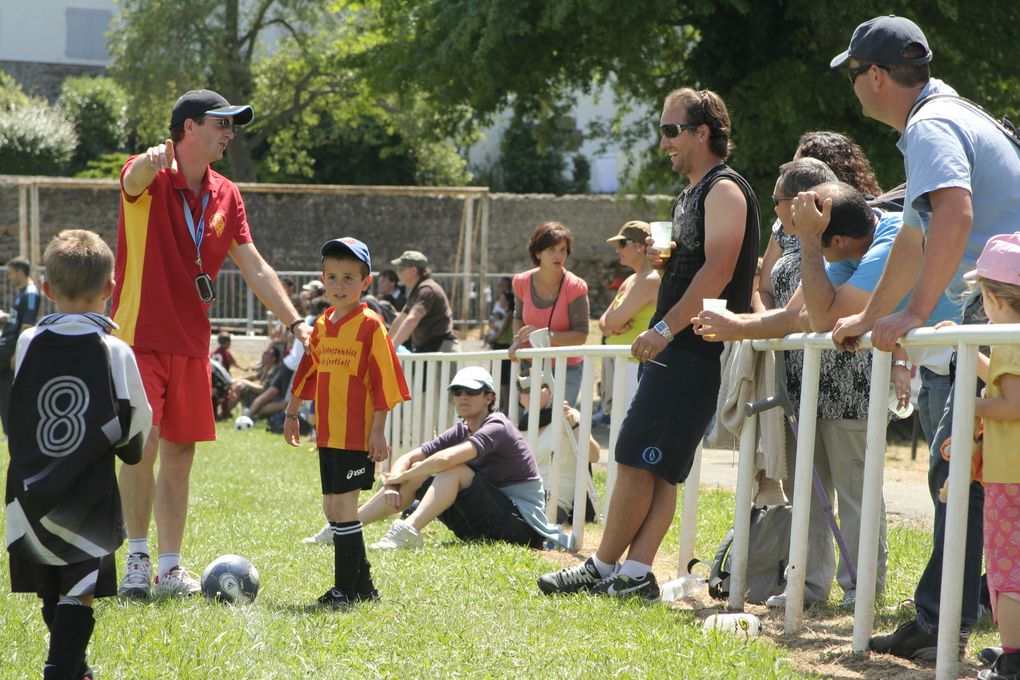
71 628
351 570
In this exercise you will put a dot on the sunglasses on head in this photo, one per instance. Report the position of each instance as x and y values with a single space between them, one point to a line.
470 391
671 130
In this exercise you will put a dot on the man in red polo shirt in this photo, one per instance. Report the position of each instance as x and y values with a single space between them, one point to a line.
179 220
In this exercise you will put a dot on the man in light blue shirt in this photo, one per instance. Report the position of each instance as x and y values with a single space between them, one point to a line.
962 174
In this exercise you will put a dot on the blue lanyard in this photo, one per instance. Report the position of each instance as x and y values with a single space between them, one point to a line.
196 232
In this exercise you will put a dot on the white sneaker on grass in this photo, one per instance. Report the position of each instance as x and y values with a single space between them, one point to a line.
177 581
137 577
324 537
400 535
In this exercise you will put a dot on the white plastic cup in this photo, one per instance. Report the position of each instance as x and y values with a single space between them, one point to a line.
662 238
713 305
740 624
539 338
894 405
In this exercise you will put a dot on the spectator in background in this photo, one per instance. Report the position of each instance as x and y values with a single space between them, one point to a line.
848 163
22 316
244 390
632 308
713 255
549 296
222 351
962 173
501 332
427 318
565 445
390 290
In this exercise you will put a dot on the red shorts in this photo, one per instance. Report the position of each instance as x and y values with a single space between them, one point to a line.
179 390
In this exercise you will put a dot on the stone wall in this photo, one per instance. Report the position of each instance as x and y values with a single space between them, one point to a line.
289 223
44 80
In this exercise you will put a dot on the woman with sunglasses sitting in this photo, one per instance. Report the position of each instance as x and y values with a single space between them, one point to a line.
479 478
632 308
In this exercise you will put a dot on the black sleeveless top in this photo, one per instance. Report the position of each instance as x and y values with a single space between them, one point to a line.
689 256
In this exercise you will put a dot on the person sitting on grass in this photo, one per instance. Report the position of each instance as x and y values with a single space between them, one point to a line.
479 478
352 373
244 390
77 401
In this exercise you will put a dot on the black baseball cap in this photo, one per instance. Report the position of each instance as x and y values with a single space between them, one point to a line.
198 103
882 40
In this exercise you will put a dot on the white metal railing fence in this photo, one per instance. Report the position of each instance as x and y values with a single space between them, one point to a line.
966 340
419 419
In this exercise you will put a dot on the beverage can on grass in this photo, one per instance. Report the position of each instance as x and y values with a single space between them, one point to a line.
740 624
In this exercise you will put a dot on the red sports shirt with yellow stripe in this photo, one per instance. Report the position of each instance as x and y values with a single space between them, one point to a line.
350 371
155 302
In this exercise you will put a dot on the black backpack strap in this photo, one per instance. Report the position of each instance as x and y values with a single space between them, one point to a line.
1005 126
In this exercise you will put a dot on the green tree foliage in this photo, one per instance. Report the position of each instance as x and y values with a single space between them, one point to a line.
533 158
297 62
35 139
769 61
97 108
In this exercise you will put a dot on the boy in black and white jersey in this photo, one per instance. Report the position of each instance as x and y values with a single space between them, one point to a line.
77 399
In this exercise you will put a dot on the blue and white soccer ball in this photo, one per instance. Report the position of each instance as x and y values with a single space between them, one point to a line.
243 423
232 579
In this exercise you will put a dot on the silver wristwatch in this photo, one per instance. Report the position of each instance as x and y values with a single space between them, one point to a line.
662 328
901 362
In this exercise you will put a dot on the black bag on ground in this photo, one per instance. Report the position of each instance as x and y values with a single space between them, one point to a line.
768 550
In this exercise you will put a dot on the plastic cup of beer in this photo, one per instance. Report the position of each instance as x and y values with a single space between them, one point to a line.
539 338
662 238
713 305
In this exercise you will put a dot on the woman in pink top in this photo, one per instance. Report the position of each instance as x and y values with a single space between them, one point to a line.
551 297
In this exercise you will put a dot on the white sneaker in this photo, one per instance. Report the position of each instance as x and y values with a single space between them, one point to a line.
777 601
137 577
399 535
324 537
177 581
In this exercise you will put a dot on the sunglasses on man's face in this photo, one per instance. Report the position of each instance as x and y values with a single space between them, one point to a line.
855 71
671 130
222 123
461 391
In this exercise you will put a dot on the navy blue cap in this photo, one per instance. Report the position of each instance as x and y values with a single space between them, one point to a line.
350 245
197 103
882 40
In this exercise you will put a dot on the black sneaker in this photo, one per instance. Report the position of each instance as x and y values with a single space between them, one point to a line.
574 579
988 655
335 599
625 586
1006 667
910 641
366 596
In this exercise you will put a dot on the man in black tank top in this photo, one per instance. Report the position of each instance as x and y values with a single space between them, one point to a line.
713 255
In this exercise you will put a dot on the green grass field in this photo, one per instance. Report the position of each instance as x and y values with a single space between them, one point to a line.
449 610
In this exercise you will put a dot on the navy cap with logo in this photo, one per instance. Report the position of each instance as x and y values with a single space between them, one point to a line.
350 245
198 103
882 40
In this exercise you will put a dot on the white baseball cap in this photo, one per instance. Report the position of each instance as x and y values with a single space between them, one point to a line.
473 378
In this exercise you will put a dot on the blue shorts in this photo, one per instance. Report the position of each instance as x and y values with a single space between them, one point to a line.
669 414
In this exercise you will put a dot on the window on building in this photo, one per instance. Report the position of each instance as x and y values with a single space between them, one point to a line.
86 33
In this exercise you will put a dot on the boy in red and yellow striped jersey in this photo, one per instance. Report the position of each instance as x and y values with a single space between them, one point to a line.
352 374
